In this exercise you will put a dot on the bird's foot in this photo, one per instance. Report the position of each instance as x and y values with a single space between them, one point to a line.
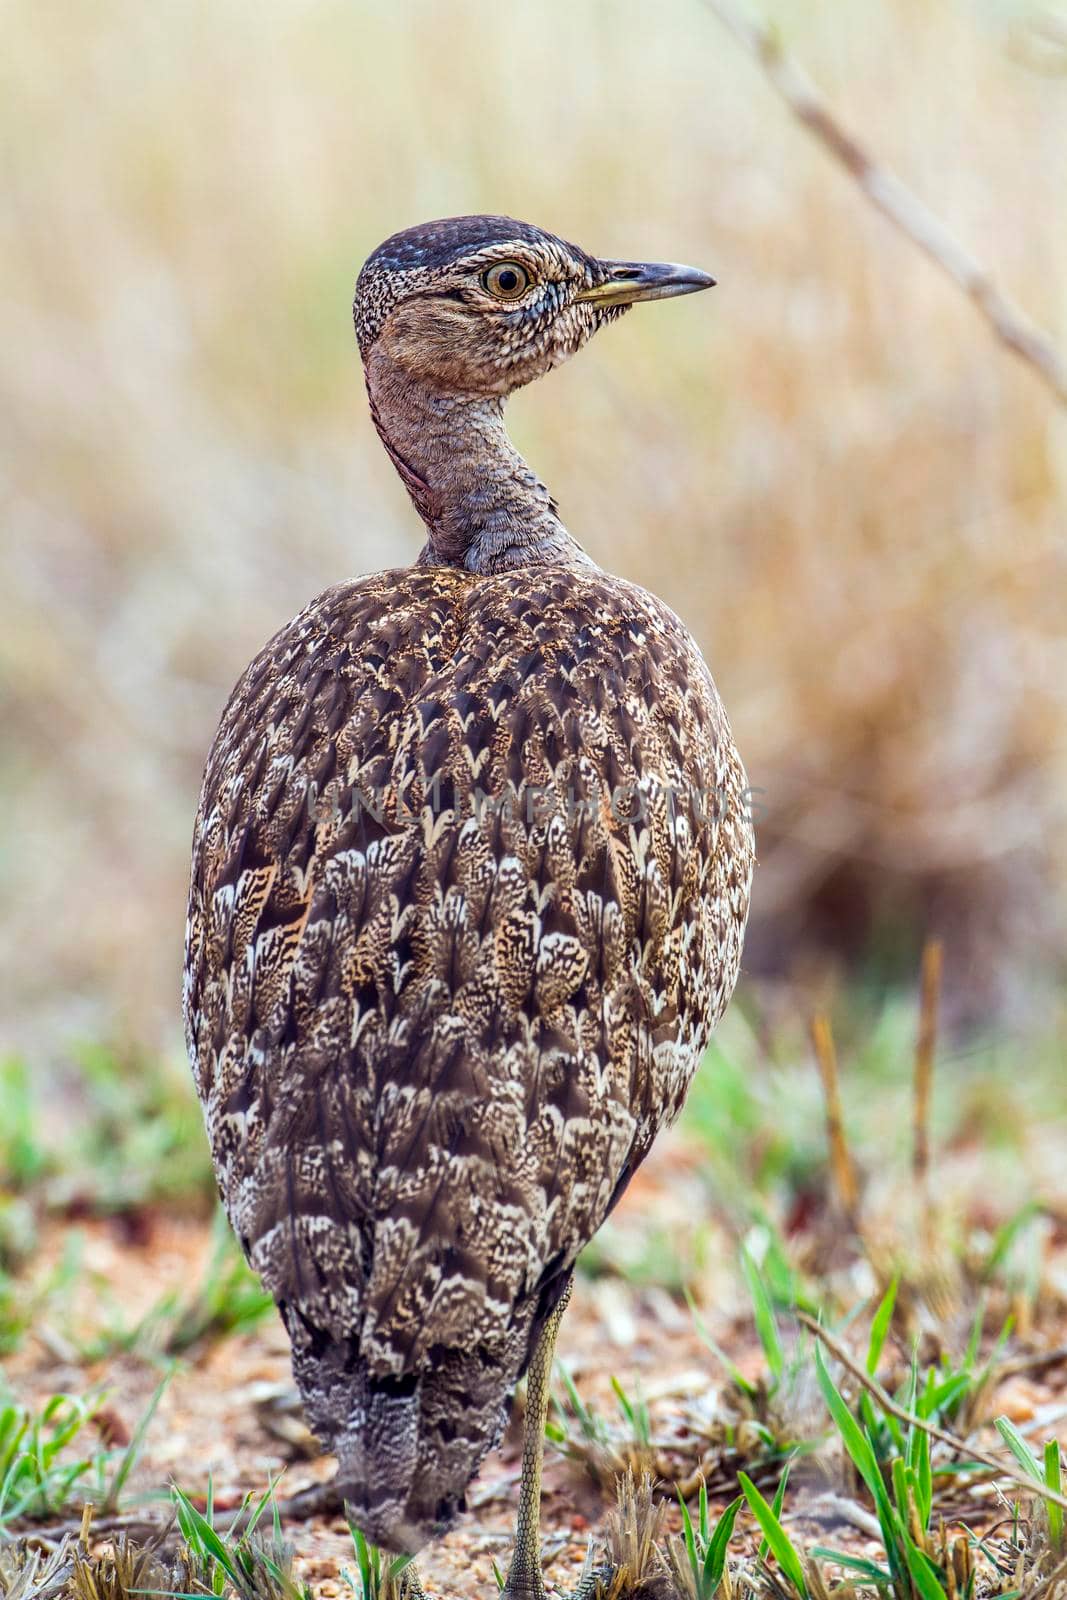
591 1584
530 1585
594 1581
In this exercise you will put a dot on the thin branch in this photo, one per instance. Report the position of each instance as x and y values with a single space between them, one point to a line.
841 1168
49 1535
1003 1469
1032 1363
894 200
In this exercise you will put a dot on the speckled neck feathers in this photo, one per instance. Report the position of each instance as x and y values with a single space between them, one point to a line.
483 506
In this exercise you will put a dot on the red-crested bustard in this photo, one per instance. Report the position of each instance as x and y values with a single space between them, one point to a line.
470 877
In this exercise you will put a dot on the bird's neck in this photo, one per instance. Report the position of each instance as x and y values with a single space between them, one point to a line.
484 508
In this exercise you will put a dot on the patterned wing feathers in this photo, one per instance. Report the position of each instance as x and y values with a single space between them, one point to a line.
470 878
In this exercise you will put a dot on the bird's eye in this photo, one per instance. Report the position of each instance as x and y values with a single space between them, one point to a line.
507 280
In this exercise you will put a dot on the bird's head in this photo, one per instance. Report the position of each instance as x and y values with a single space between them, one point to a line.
482 305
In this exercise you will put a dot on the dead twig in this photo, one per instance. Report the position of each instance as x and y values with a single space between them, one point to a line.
960 1446
894 200
49 1535
841 1168
924 1058
1033 1363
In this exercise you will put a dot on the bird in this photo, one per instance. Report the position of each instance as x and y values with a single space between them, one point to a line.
471 870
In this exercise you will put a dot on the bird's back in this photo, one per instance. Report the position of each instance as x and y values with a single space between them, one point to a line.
471 871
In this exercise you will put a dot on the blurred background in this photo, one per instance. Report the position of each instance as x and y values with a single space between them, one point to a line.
852 495
851 492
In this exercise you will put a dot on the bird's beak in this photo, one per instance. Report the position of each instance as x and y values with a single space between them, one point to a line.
628 281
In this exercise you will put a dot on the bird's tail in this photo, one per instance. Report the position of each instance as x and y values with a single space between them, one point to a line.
407 1447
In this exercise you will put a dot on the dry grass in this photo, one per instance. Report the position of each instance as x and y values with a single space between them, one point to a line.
851 494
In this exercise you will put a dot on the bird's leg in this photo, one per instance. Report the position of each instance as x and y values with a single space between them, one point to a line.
408 1583
524 1580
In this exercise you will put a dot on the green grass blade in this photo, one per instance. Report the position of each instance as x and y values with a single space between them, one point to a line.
776 1508
132 1452
869 1569
763 1311
880 1326
926 1577
924 1481
974 1343
715 1554
201 1535
856 1442
1020 1449
276 1515
635 1413
587 1419
942 1397
1053 1481
256 1512
877 1423
689 1537
359 1544
737 1377
779 1541
861 1451
1006 1235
